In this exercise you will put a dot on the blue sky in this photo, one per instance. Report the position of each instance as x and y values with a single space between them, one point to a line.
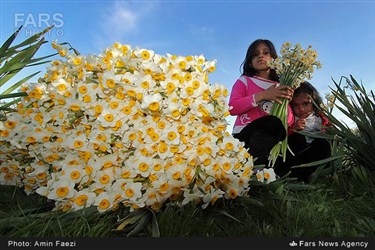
342 32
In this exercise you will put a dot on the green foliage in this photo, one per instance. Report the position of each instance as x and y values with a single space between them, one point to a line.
25 216
357 105
138 221
289 209
13 58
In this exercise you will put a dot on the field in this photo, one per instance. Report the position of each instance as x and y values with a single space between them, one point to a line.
338 202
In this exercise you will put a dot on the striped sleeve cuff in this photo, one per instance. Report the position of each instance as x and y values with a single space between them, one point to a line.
253 103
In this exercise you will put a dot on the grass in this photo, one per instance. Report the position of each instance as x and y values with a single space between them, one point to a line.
341 208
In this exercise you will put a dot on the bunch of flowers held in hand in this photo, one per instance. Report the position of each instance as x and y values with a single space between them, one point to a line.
127 126
293 66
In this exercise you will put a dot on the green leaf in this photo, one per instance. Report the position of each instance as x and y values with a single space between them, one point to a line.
13 95
250 201
320 162
131 218
32 39
8 42
297 186
7 106
143 222
18 84
154 225
223 212
20 60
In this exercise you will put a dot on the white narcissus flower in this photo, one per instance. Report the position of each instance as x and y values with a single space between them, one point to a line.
144 54
169 86
230 144
193 196
133 191
152 103
266 175
212 196
260 176
104 201
107 118
141 164
61 85
61 189
75 173
83 199
76 142
173 109
269 175
170 136
210 66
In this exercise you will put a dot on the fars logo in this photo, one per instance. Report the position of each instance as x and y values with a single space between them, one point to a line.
35 22
293 244
38 20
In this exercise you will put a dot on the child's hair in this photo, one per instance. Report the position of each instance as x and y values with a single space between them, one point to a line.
246 64
307 88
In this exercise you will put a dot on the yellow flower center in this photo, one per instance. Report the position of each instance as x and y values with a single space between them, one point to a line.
170 87
129 192
229 146
176 175
110 83
104 179
62 192
82 89
10 124
189 91
104 204
81 199
75 107
109 117
114 105
75 175
143 167
78 144
171 136
157 167
154 106
145 55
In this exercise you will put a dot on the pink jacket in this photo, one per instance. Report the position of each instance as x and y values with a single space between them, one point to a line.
243 104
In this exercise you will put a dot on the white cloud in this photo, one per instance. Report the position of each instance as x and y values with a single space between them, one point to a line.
202 30
205 33
121 20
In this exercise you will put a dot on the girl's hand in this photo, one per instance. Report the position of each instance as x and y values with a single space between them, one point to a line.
299 124
276 93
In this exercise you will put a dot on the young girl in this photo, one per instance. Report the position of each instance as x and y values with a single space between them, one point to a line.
308 118
251 99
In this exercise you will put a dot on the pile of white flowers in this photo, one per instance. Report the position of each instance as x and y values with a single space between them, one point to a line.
127 126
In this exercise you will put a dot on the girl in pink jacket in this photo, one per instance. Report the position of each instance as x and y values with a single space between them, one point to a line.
251 99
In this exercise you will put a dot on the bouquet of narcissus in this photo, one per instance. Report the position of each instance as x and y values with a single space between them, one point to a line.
293 66
127 127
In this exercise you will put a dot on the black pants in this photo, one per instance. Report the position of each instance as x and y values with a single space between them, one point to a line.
318 149
260 136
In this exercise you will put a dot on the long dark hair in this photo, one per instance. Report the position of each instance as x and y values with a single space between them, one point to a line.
247 69
307 88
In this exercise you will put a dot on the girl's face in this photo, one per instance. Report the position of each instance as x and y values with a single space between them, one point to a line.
260 58
302 105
